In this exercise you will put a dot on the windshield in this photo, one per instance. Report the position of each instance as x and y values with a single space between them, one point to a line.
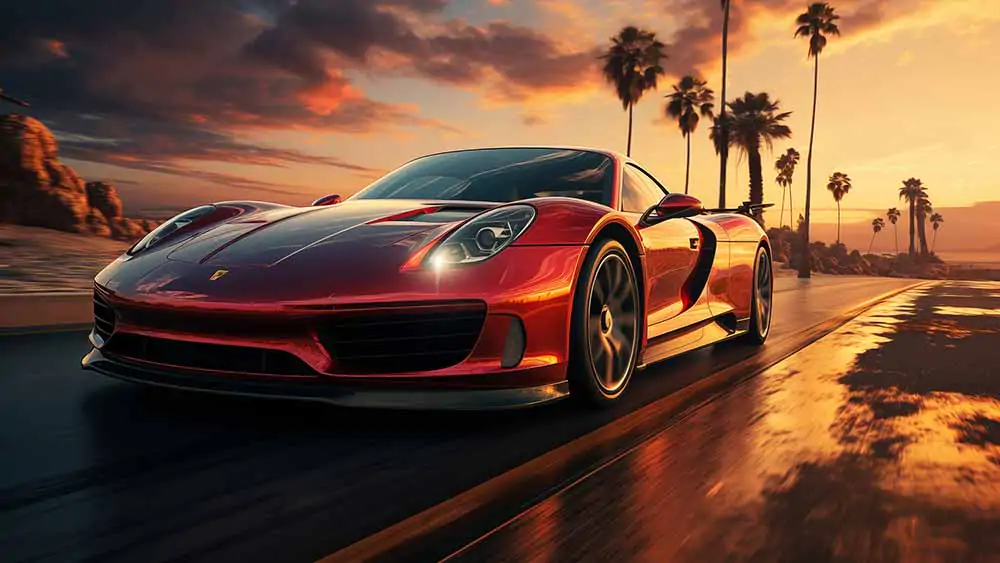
500 175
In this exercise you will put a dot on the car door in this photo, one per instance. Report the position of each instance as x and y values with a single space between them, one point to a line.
671 247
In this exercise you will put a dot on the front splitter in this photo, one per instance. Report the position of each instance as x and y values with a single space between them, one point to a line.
327 392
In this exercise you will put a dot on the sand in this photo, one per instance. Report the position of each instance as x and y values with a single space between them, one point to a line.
43 260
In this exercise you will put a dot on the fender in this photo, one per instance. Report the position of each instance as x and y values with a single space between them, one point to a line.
572 222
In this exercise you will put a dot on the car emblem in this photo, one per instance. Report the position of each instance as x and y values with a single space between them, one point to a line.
218 274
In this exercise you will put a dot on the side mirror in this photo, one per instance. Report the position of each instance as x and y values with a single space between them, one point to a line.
331 199
671 206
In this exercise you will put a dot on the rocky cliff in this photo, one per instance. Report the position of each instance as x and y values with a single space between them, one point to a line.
38 190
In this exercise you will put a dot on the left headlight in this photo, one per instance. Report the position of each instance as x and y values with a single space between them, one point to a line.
484 235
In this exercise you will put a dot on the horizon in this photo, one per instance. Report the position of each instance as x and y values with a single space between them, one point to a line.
249 100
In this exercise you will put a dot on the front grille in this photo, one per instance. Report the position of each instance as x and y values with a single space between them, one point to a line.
402 339
208 323
199 355
104 317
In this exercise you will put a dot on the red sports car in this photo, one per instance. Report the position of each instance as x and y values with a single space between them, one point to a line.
485 278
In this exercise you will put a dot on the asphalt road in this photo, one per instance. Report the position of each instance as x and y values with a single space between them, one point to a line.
95 469
880 442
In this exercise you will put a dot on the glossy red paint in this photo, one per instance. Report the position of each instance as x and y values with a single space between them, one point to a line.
287 272
678 203
529 282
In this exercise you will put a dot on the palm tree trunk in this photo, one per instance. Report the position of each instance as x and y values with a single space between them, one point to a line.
934 242
804 265
781 214
736 170
756 180
922 233
913 221
895 233
628 148
687 169
724 153
838 222
791 216
870 243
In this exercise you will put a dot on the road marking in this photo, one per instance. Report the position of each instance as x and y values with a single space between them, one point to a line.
441 515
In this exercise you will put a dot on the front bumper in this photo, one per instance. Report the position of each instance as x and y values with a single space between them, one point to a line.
331 392
420 340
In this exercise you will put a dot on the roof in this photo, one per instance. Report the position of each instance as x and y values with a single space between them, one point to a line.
605 152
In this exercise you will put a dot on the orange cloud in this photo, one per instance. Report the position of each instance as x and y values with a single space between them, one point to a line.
325 98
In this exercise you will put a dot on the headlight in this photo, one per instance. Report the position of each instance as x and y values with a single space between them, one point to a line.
484 235
172 226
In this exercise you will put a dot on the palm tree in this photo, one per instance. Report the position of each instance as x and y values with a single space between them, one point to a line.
723 149
689 100
936 220
781 165
893 215
912 191
632 66
785 165
792 156
924 208
715 133
839 186
818 21
757 122
878 224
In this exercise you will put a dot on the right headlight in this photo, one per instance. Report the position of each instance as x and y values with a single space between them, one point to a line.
483 236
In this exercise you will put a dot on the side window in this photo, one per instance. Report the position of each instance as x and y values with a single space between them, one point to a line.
650 182
639 192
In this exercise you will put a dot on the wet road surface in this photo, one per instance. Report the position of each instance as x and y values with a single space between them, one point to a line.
880 442
95 469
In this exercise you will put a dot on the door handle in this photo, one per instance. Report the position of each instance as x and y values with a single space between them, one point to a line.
694 242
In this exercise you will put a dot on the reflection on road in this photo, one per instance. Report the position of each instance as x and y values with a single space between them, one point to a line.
881 442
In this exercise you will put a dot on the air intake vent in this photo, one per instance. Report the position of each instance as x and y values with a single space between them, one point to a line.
215 357
403 339
104 317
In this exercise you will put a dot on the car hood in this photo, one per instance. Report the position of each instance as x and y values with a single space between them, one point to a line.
344 233
286 255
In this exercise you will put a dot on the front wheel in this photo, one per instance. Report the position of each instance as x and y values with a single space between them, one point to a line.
762 299
604 338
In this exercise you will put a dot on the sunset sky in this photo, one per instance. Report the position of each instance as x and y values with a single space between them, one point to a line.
185 101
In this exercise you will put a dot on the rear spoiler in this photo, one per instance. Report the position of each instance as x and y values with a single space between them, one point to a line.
746 208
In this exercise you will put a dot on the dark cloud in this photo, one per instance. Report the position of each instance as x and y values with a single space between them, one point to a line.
454 52
164 81
146 83
190 145
231 180
526 60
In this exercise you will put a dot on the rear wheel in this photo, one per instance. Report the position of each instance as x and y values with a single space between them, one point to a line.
604 341
762 298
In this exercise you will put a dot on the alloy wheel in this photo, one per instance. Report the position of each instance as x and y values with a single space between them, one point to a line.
764 293
612 323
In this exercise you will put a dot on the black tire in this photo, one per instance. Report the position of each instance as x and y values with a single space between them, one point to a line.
605 329
762 300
